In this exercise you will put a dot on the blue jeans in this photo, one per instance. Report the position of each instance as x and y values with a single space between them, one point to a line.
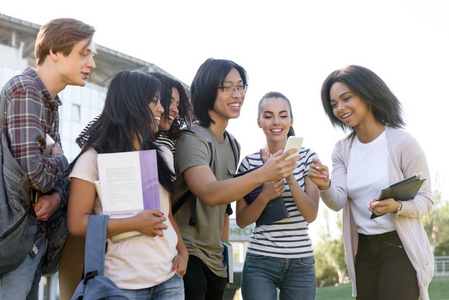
23 282
172 289
294 277
383 269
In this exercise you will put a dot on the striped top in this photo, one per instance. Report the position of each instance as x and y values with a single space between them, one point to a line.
163 139
288 238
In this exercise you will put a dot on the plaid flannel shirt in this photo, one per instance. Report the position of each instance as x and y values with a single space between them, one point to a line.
31 114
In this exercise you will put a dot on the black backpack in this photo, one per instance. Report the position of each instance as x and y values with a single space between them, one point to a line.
18 223
204 134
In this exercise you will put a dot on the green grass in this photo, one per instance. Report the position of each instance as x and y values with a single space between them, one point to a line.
438 290
341 292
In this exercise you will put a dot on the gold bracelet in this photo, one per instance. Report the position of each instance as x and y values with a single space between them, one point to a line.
396 215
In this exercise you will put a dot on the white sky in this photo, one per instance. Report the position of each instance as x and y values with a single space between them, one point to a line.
290 47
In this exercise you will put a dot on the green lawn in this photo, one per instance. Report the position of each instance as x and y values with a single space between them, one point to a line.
438 290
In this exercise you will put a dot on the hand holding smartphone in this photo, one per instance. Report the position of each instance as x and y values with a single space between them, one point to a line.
293 142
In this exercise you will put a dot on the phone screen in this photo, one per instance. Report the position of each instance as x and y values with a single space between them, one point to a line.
293 142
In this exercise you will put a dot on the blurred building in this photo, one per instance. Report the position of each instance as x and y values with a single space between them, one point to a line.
80 104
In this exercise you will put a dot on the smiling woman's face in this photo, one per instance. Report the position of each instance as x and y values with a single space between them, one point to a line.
275 118
173 112
347 106
157 110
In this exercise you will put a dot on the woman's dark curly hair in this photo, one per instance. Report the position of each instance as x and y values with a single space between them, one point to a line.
185 108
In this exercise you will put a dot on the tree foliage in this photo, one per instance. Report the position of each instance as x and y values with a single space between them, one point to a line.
330 264
436 225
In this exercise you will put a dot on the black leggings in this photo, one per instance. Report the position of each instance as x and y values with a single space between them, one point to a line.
200 283
383 269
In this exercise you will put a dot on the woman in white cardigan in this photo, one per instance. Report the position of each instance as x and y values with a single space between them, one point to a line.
388 257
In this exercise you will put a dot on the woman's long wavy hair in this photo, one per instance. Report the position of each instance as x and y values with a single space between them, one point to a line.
184 110
127 117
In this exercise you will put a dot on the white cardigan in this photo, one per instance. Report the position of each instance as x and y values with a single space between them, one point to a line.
406 158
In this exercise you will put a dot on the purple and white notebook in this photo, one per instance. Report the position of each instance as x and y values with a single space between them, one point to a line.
128 182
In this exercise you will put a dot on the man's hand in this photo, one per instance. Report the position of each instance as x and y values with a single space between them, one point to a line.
46 206
56 149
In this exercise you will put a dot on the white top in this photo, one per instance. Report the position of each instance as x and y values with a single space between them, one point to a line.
367 174
405 158
139 262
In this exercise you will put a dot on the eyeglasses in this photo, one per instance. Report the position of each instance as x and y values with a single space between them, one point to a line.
231 89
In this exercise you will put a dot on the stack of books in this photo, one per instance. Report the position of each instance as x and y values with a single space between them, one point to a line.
229 260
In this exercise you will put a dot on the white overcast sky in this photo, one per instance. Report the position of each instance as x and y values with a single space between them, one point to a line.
290 47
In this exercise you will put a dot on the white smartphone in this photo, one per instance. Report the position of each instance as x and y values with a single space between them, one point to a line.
293 142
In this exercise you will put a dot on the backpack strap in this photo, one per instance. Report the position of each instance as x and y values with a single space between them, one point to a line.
95 246
95 285
31 211
3 102
235 148
181 201
2 107
204 134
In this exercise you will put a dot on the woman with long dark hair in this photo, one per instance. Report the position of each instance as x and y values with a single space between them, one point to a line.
149 266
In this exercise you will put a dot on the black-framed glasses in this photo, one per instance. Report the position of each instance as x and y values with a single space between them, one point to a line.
231 89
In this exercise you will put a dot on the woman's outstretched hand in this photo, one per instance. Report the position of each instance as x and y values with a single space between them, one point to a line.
319 174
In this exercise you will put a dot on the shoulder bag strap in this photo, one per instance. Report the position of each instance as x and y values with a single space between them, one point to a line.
95 248
3 107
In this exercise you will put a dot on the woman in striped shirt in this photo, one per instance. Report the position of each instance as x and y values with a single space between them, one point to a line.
280 254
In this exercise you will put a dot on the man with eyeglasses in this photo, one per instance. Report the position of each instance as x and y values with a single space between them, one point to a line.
207 157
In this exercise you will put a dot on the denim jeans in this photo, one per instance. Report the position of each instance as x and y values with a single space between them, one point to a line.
383 270
172 289
263 275
23 282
